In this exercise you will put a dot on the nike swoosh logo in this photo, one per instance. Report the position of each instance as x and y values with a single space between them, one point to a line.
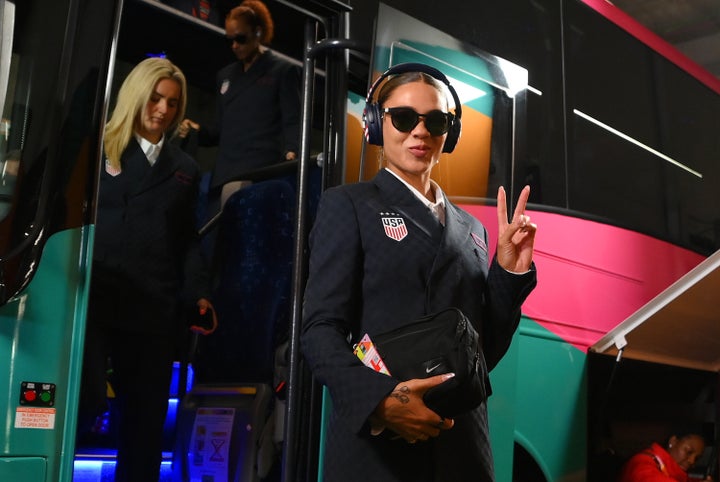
432 368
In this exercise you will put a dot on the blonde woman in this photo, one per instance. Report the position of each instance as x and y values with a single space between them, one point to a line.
146 265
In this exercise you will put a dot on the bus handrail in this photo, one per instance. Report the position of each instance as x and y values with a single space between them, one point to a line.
293 418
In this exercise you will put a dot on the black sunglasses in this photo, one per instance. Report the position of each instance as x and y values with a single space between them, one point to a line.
241 39
405 119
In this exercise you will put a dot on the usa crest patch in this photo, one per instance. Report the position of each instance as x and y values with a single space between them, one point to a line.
394 225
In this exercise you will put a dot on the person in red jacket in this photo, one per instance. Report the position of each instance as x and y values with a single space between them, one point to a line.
665 463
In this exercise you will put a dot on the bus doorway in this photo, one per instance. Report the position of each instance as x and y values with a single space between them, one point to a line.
656 374
228 376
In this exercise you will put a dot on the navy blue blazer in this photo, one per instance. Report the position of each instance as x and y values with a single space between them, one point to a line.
146 247
380 259
257 116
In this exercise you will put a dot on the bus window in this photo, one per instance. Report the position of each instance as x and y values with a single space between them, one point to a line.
12 135
8 165
9 169
29 72
52 76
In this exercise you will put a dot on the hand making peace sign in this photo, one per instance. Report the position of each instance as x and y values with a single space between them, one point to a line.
517 238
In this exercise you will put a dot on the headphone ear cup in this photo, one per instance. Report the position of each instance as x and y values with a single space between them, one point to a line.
373 124
453 136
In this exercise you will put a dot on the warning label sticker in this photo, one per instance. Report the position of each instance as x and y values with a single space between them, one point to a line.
210 444
35 417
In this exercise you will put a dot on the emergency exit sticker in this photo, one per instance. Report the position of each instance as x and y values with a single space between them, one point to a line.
35 417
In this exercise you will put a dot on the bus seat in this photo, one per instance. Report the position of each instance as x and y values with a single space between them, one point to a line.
252 300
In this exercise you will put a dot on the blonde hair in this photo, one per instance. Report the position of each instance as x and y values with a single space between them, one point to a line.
134 94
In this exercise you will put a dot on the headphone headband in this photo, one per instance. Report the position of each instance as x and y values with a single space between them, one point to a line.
372 117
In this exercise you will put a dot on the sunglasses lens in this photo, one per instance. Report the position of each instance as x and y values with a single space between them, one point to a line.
404 120
437 123
240 39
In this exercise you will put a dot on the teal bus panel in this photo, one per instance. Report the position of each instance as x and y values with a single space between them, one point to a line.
41 341
22 469
501 411
551 404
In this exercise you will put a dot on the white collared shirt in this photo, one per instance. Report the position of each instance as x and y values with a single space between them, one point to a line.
152 151
437 208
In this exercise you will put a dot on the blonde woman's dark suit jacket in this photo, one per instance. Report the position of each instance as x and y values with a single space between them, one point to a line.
364 280
146 245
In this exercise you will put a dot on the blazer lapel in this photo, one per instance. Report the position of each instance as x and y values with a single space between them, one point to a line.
240 80
135 166
457 229
404 202
443 273
164 168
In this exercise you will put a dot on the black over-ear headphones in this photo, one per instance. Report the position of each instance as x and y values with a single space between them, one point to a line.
372 115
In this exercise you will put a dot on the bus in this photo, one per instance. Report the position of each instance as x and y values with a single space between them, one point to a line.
613 129
611 195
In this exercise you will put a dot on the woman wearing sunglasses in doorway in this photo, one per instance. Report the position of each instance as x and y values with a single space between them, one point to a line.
258 105
393 249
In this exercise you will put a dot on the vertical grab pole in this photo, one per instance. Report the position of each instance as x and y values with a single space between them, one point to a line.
299 391
291 459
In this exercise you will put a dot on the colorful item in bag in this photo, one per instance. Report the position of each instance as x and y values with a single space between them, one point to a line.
366 352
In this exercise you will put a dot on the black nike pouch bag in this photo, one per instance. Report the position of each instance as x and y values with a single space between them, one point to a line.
442 342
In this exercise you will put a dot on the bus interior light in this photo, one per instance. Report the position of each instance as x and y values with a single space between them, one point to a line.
637 143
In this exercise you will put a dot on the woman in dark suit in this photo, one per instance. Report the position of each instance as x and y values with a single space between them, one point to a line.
147 263
368 276
258 105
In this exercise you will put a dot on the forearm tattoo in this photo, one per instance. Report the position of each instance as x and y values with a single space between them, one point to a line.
401 394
